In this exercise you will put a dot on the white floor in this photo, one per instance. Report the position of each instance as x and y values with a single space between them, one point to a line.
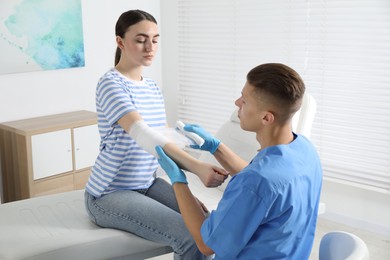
378 246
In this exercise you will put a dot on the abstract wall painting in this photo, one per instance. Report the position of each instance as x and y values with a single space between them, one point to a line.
40 35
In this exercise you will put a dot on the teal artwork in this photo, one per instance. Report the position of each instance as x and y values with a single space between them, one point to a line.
40 35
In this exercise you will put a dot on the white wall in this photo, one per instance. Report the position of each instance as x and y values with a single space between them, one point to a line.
357 207
170 47
24 95
31 94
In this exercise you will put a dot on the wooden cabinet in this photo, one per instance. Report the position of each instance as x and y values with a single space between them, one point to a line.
49 154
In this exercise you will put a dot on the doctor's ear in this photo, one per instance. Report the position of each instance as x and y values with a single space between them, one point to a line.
268 118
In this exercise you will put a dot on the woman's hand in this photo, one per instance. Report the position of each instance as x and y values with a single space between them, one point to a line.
211 175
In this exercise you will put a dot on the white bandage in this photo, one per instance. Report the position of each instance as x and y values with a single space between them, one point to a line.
146 137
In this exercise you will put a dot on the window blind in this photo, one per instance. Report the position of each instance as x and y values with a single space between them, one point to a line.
341 48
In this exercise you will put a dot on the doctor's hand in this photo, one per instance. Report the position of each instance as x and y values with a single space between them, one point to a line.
173 171
210 142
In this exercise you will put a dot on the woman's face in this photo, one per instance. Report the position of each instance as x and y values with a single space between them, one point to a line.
140 43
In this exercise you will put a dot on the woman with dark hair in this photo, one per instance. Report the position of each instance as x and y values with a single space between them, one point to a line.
123 191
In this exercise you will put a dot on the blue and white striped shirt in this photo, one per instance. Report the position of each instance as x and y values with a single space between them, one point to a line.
121 163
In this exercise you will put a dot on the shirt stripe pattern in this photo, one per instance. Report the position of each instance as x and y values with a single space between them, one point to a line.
121 163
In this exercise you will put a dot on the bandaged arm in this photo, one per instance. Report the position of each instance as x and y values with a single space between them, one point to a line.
146 137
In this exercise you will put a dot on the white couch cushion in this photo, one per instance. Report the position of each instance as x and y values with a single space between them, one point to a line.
58 227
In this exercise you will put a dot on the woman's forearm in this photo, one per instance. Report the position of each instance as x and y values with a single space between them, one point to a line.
182 158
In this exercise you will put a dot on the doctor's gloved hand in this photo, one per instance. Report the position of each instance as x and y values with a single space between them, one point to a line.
175 174
210 142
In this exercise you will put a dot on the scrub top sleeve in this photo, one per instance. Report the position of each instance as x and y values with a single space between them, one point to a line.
229 228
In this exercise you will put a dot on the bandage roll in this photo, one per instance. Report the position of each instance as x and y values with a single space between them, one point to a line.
196 139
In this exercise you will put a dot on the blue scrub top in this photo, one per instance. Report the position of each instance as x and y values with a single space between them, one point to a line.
269 209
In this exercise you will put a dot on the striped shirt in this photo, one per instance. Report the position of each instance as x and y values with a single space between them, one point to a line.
121 163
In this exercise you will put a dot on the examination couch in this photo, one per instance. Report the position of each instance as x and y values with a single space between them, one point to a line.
57 227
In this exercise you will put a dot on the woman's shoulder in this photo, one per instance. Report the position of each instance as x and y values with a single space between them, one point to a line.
110 77
110 74
149 81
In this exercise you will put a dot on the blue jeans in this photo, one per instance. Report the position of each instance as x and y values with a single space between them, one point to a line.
152 214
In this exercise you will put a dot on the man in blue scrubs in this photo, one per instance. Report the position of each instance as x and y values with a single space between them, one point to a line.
269 208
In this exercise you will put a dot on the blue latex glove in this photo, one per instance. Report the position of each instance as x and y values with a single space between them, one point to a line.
170 167
210 142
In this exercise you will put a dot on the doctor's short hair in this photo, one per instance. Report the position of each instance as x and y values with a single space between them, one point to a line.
280 84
